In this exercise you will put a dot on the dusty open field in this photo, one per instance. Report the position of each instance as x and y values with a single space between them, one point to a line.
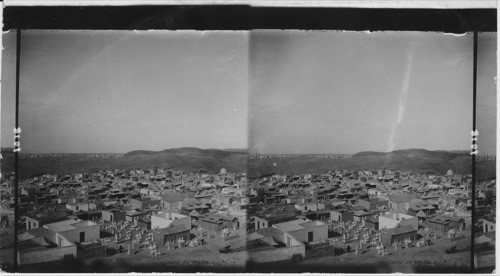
429 259
186 259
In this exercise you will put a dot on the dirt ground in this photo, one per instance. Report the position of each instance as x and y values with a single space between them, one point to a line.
199 258
404 259
7 248
208 255
208 258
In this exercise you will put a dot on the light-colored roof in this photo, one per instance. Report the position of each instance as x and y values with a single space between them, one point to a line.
399 230
194 213
67 225
293 225
36 232
171 230
109 203
421 214
481 239
267 232
132 212
312 223
253 236
62 226
83 223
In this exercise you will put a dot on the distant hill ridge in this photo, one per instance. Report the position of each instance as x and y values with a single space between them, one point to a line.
237 160
188 151
414 160
188 159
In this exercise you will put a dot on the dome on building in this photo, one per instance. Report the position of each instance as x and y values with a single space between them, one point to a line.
223 171
450 172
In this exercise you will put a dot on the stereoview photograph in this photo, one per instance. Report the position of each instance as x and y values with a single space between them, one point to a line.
282 151
133 151
360 152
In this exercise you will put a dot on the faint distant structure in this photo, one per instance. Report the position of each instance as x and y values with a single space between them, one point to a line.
486 157
223 171
450 172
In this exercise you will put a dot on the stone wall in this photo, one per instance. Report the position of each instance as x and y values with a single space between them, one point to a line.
321 250
92 251
45 255
277 254
320 232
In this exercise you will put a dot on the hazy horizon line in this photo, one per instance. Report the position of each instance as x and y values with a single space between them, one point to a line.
184 147
3 149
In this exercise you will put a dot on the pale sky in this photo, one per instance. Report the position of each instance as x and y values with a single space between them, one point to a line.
486 94
117 91
346 92
273 91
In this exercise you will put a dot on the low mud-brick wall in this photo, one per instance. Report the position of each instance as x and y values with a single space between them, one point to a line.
91 251
321 249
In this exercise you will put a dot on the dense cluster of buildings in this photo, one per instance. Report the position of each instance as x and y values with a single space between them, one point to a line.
286 217
289 215
67 216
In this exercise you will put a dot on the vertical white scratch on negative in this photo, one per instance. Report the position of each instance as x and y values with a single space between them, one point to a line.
402 102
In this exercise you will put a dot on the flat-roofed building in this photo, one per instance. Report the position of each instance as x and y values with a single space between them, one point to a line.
399 201
489 225
41 245
167 219
271 244
268 220
361 215
144 203
78 206
445 223
342 215
426 209
394 219
76 231
304 231
40 220
373 203
398 235
171 234
172 201
217 222
113 215
134 215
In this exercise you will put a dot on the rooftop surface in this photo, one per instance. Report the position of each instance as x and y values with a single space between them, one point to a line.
312 223
67 225
168 215
289 226
35 244
399 230
62 226
49 216
172 230
34 233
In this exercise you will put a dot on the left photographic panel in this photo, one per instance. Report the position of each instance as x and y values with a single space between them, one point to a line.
133 151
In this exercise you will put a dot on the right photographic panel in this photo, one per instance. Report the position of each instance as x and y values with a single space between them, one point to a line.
486 125
360 152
